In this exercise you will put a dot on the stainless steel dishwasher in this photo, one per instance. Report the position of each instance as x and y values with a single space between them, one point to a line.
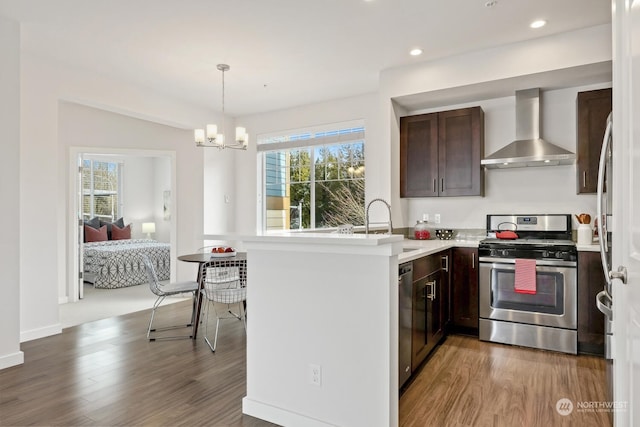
405 283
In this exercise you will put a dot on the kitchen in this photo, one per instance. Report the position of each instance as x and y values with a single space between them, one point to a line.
448 83
347 272
525 190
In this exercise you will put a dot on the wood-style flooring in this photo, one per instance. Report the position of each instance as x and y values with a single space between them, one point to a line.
106 373
468 382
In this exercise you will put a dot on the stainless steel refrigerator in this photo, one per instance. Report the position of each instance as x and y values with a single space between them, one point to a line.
604 300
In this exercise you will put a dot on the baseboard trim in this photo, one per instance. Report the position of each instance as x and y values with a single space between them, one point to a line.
34 334
277 415
13 359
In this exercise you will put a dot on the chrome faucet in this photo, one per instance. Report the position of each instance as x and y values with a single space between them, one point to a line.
366 227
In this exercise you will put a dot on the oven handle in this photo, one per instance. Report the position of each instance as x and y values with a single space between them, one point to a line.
542 262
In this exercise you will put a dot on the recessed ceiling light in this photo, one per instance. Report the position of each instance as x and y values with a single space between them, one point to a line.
491 3
415 52
538 24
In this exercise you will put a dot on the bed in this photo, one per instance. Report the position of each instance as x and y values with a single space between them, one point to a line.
118 263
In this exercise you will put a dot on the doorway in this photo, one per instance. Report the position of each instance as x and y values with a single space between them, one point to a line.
148 187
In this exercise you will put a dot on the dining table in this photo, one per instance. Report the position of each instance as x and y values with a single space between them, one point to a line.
214 260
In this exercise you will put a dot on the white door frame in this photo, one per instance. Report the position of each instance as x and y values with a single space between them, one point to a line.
73 267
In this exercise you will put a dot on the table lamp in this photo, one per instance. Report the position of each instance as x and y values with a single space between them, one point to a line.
148 227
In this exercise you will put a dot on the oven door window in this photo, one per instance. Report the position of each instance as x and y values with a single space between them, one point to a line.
549 296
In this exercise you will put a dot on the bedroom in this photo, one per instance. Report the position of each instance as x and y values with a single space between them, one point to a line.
142 180
128 191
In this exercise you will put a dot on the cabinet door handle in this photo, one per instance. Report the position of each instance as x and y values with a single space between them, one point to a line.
473 260
432 293
442 185
584 179
446 263
435 190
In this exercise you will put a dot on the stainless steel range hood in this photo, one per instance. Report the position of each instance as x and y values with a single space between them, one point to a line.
528 149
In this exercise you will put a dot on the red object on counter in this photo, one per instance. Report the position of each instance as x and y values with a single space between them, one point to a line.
506 235
421 234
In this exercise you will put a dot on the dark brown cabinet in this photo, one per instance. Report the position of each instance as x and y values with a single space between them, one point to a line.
440 153
590 319
429 305
593 107
464 291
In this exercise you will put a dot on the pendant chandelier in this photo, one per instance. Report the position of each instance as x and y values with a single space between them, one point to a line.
211 138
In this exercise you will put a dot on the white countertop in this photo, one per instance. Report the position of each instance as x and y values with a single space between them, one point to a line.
312 238
428 247
328 238
594 247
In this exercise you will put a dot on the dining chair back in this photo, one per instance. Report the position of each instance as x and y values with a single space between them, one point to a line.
162 291
224 285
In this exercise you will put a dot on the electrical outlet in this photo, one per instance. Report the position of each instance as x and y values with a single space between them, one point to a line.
315 374
436 218
425 217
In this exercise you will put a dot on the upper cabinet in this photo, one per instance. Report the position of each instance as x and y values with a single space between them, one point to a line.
593 108
440 153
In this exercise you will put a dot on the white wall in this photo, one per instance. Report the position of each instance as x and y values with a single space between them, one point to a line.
10 353
44 84
162 180
219 194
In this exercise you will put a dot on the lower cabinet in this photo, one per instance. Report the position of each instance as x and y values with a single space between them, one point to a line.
430 313
590 319
464 291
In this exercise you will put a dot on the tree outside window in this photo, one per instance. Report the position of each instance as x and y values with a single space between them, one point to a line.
100 190
315 187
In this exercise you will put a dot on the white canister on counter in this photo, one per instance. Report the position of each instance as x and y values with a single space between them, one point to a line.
585 234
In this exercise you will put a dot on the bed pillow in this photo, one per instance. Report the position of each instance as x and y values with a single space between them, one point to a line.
93 223
93 235
119 222
118 233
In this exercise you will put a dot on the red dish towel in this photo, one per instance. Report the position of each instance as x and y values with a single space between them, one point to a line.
525 281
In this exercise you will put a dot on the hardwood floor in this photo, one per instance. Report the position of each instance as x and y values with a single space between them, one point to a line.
468 382
106 373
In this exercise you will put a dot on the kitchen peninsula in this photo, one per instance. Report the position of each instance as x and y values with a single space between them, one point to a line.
325 305
322 329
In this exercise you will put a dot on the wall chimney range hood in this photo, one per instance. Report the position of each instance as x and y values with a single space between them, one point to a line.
528 149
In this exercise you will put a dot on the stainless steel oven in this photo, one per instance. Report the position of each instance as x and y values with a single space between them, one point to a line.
547 317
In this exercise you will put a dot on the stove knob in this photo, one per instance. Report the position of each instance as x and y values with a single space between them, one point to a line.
559 254
505 252
545 254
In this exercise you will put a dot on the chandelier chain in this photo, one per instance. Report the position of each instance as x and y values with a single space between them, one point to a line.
223 91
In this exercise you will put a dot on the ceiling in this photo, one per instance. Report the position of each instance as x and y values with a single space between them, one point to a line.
282 53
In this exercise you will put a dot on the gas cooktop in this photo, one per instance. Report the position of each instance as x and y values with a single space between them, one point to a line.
528 241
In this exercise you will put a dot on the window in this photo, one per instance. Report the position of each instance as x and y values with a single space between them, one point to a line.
313 179
101 189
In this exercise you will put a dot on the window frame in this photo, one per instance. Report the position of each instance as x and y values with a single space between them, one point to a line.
91 191
310 139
